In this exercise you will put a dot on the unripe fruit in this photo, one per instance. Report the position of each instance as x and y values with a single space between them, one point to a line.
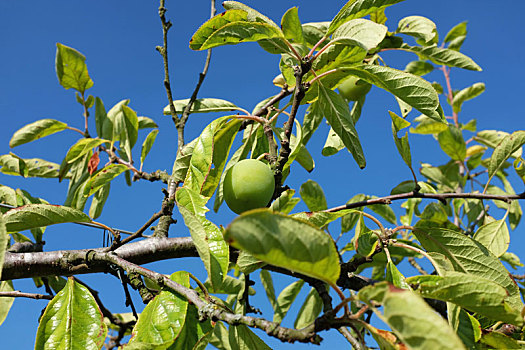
249 184
353 88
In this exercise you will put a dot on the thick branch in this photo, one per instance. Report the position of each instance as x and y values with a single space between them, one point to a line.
65 262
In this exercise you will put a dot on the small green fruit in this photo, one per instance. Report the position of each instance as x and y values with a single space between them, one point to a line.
249 184
353 88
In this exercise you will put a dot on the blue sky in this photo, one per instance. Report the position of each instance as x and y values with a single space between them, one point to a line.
119 38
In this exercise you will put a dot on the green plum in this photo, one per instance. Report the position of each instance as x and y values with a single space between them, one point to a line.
353 88
249 184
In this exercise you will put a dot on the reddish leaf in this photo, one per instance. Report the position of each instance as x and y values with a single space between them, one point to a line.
93 163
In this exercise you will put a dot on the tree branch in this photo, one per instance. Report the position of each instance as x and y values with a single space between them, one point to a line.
18 294
439 196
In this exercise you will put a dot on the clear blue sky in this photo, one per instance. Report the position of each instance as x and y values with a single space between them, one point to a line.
119 38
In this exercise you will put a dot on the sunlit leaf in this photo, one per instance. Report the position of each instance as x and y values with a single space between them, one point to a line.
473 293
148 143
452 143
202 105
82 147
37 215
495 236
469 256
360 32
417 26
337 113
35 131
163 318
286 242
311 308
5 302
72 320
504 150
411 89
357 9
467 94
71 69
102 177
447 57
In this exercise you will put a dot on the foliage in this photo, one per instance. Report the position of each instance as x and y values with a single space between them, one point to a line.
478 303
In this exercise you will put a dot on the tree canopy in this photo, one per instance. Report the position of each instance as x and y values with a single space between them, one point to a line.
422 264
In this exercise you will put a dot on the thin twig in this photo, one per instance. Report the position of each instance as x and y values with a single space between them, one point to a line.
186 113
19 294
137 233
439 196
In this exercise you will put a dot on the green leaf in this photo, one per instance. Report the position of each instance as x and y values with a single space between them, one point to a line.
468 329
72 320
128 125
103 124
409 88
194 334
321 218
202 156
13 165
304 158
102 177
423 329
252 15
230 28
428 126
474 293
285 203
313 32
182 162
5 302
116 124
419 68
467 94
163 318
82 147
402 144
313 196
311 308
504 150
146 123
242 338
494 236
497 340
456 36
71 69
360 32
148 143
223 138
378 16
37 215
209 242
202 105
291 26
4 240
35 131
357 9
394 276
418 27
285 300
452 143
365 240
337 113
332 145
443 56
99 199
286 242
469 256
